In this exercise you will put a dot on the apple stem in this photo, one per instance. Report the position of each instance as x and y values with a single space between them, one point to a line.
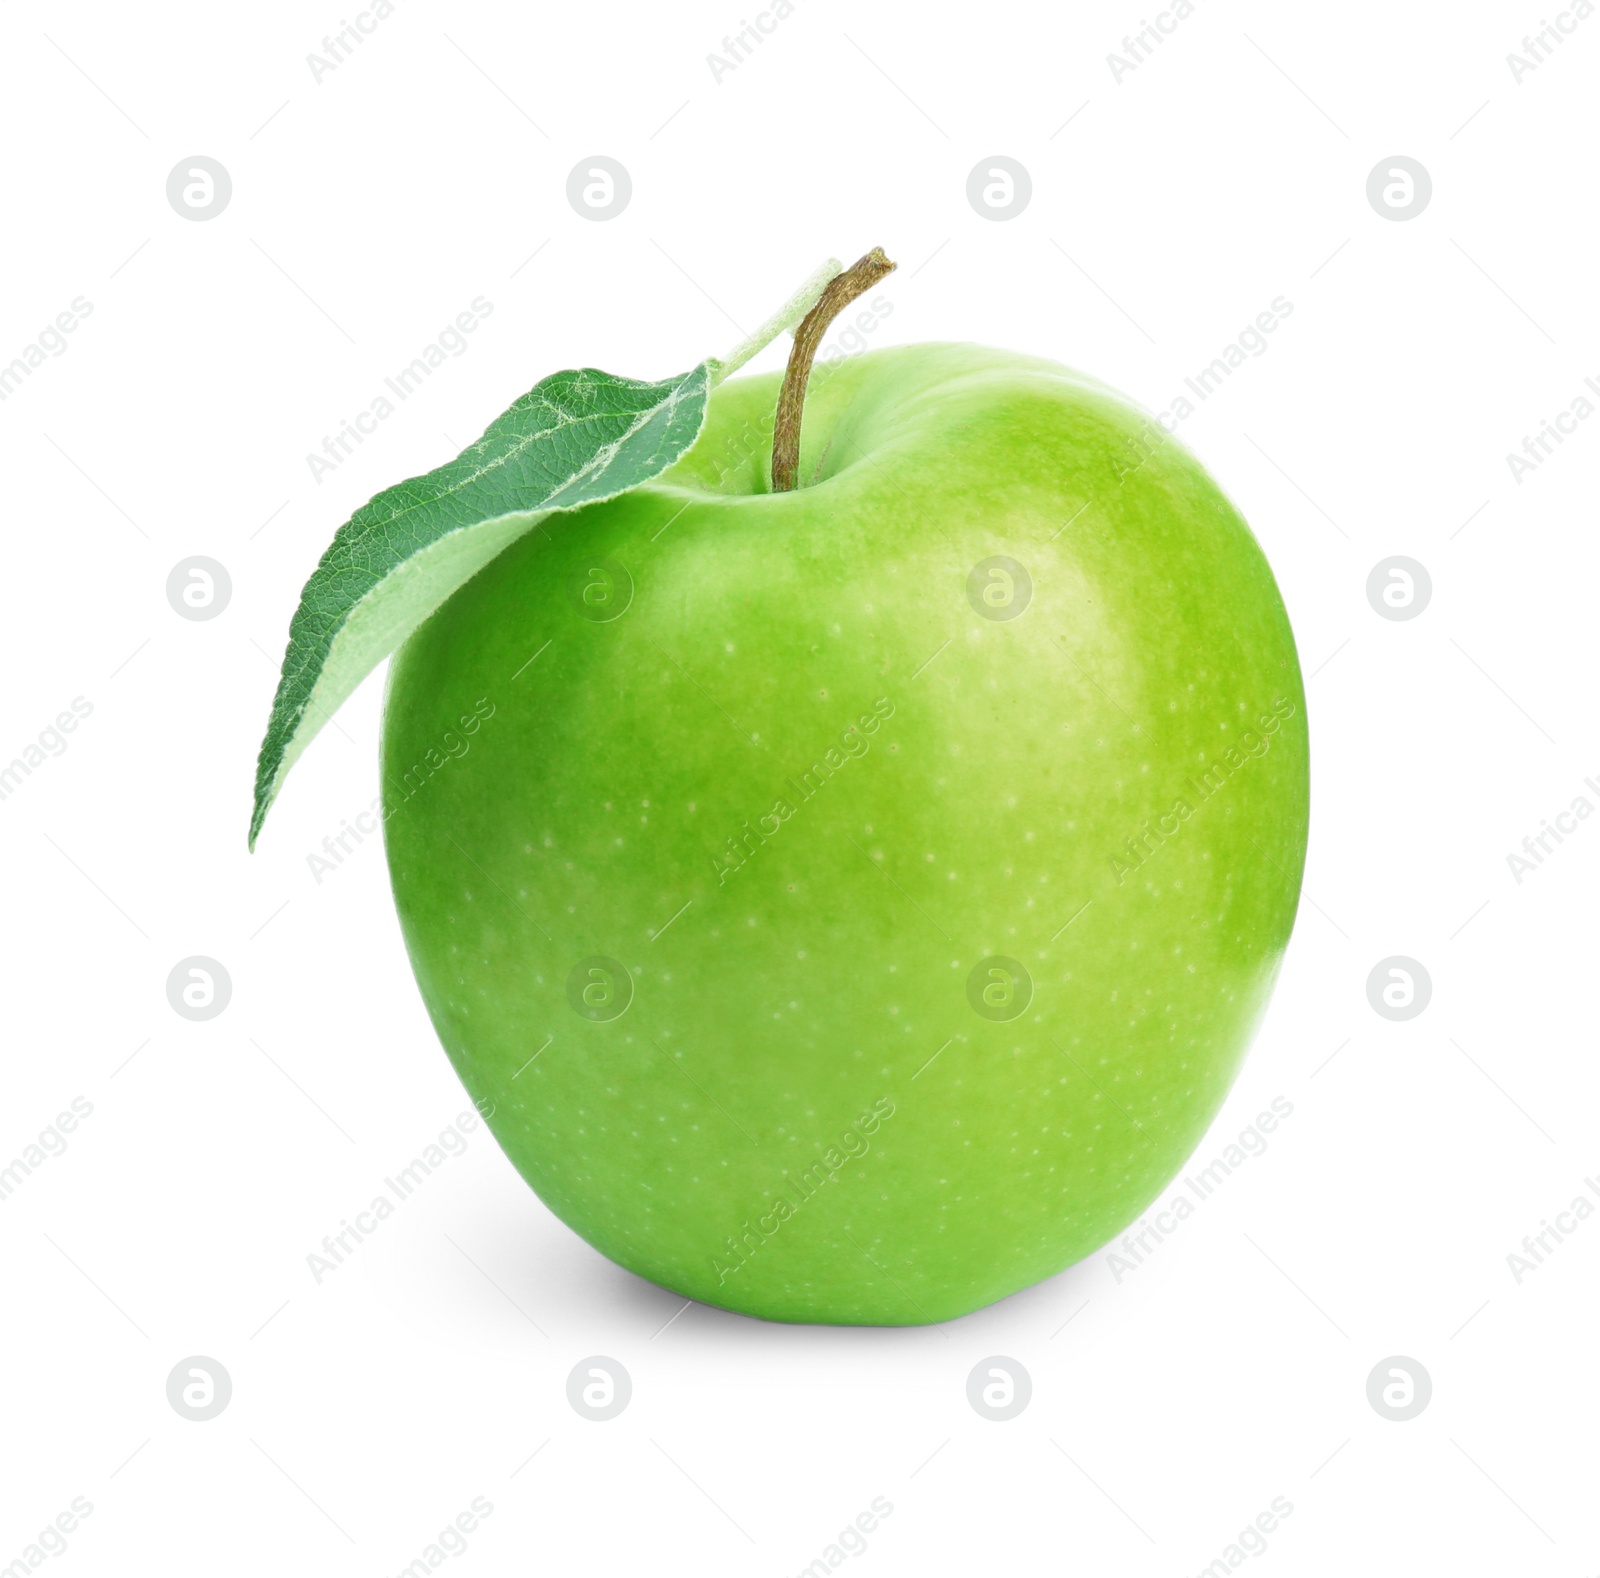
861 276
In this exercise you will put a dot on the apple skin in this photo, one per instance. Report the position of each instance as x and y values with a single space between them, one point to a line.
802 1114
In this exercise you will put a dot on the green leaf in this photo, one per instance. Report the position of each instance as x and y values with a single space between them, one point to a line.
573 439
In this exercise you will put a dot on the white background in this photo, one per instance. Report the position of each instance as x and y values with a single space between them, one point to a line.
1169 1408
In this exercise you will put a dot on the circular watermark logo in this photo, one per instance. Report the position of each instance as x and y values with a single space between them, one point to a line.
199 988
598 188
1399 1388
599 988
999 588
599 1388
602 590
198 1388
998 188
198 588
999 1388
1399 187
1399 988
1399 588
999 988
199 187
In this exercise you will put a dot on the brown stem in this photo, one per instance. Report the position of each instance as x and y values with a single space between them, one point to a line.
842 290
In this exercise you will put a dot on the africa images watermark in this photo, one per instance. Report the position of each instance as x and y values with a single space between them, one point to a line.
738 47
855 1141
1139 47
1553 432
51 1540
1538 1247
451 341
1250 1540
51 1141
338 847
1536 846
851 1540
338 1247
854 743
339 47
1140 846
51 340
1538 47
1247 345
51 741
451 1540
1250 343
1136 1248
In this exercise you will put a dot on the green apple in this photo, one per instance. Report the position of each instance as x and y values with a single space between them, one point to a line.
853 903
